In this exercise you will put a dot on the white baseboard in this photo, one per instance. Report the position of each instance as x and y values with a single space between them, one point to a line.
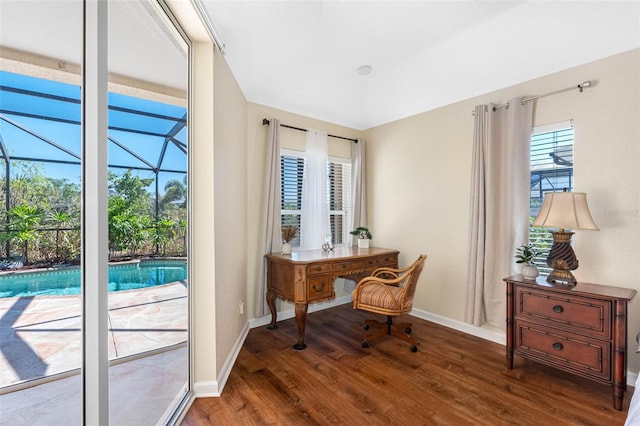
206 389
214 388
483 333
290 313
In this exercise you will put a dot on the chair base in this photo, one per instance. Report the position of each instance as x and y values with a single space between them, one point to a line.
400 330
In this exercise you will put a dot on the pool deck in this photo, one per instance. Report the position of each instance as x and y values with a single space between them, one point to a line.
41 335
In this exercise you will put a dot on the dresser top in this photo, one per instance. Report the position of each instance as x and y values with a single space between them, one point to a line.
342 252
580 287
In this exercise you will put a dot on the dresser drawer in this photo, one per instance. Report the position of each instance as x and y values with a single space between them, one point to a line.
581 354
319 288
570 312
319 268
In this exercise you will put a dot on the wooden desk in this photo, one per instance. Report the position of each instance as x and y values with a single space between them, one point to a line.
307 276
580 329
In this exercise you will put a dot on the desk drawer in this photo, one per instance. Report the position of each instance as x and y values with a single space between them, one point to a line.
569 312
318 268
319 288
356 265
584 355
388 260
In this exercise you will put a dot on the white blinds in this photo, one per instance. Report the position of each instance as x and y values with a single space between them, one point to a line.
551 171
338 194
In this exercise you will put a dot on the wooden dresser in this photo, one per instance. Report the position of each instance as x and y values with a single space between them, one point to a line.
307 276
580 329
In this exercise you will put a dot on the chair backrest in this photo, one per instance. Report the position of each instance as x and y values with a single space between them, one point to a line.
412 281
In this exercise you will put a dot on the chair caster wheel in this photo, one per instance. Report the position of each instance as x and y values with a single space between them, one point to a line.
407 330
365 344
366 326
414 348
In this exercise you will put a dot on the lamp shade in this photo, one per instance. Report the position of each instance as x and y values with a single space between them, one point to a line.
565 210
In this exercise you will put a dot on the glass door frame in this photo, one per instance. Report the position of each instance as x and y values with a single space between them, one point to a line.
94 267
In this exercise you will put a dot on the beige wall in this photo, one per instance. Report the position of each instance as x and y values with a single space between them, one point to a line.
201 229
230 214
419 174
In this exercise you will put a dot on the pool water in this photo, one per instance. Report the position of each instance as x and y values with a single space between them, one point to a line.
67 281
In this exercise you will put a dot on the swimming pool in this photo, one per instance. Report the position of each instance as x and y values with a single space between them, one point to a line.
66 281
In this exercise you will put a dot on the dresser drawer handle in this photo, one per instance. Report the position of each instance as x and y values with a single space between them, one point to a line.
317 289
557 346
558 309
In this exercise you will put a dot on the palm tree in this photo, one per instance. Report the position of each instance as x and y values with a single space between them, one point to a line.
174 191
24 220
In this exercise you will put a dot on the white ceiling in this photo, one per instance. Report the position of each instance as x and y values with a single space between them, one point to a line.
302 56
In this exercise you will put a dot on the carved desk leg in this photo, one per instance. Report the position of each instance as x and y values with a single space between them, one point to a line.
271 301
301 317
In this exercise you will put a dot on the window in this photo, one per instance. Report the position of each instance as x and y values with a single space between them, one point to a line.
338 194
551 171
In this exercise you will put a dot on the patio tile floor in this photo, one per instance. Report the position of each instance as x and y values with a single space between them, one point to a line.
41 335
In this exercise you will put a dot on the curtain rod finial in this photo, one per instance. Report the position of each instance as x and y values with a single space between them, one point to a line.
265 121
584 85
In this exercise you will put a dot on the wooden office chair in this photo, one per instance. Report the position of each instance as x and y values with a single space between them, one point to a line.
389 291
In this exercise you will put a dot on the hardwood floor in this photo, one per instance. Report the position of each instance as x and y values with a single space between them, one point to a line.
453 379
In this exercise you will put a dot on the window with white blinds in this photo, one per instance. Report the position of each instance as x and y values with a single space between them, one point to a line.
551 171
338 194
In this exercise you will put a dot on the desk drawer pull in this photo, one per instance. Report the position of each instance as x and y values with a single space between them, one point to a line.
557 346
558 309
317 288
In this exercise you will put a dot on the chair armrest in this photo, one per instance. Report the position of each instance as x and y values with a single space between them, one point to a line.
385 281
391 271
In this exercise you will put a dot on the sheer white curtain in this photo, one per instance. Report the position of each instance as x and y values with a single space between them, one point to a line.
314 219
358 188
499 217
270 228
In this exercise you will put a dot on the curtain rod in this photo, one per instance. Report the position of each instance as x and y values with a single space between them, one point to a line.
580 87
266 121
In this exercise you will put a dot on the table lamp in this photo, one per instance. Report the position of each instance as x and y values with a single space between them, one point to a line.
564 210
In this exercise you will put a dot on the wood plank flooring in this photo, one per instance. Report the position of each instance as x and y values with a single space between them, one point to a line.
453 379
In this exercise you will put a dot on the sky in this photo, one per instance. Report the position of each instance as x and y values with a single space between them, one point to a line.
41 119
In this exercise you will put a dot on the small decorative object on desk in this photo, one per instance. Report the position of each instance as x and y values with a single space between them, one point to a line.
525 255
363 235
327 245
289 232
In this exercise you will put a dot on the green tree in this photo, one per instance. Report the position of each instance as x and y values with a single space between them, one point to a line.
24 220
174 191
183 225
29 187
130 208
60 219
165 232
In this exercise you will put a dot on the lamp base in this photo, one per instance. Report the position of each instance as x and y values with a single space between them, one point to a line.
561 276
562 259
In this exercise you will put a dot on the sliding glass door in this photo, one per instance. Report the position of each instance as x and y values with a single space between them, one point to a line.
41 314
147 211
93 242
